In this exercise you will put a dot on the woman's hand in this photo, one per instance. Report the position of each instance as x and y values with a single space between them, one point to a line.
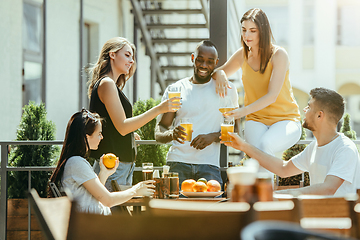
136 136
104 171
145 188
236 141
222 83
170 105
236 114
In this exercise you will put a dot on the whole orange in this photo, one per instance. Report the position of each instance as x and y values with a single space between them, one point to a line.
187 185
109 160
213 186
199 187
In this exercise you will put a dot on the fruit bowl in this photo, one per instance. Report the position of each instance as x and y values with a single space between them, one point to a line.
201 194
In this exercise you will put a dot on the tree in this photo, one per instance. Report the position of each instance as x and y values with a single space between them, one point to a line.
148 153
33 126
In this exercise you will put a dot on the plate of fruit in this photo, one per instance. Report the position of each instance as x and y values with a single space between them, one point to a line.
200 188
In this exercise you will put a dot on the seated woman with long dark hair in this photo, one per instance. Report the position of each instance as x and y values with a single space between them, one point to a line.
74 172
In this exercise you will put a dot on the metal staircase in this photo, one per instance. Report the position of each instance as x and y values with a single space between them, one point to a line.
170 31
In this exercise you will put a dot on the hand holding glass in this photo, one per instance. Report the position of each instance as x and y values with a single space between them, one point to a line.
186 123
174 91
226 127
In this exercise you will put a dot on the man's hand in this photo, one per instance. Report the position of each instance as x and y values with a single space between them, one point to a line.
204 140
179 134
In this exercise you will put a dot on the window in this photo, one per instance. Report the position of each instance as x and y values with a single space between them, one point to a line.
309 19
32 41
348 33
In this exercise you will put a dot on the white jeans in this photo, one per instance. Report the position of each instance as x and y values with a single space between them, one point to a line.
274 138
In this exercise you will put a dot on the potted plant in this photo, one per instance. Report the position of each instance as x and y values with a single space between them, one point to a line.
346 128
148 153
33 126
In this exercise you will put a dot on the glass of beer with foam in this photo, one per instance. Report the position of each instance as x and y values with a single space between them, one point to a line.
187 124
227 126
147 171
174 91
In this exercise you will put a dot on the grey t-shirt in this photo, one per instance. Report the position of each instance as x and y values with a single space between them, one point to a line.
77 171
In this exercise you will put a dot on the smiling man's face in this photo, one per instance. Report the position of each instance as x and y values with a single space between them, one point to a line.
205 61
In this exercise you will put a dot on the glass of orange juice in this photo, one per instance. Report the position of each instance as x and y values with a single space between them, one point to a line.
187 124
174 91
227 126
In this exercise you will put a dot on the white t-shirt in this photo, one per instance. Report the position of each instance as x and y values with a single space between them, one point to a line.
339 158
201 103
77 171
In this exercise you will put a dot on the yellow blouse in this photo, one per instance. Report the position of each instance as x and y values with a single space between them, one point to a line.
256 86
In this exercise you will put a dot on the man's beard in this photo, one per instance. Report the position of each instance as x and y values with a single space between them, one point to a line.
306 125
202 80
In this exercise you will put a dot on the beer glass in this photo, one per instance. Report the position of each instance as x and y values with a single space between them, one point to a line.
226 104
227 126
174 185
187 124
147 171
174 91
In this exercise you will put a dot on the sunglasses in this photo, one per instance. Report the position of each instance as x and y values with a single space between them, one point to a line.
88 115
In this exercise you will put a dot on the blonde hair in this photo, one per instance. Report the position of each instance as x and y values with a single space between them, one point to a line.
103 66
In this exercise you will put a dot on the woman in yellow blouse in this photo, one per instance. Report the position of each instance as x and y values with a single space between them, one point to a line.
272 114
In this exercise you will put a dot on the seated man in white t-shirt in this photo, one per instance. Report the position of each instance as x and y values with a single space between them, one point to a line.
332 159
198 158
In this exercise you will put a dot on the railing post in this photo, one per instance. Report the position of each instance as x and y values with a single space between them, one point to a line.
3 200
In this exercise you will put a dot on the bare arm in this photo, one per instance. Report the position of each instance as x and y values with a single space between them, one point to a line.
105 172
164 134
280 64
229 68
271 163
108 95
328 187
109 199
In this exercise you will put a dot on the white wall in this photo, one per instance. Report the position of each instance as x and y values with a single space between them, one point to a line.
10 68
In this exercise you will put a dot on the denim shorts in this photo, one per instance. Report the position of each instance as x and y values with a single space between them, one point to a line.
195 171
123 174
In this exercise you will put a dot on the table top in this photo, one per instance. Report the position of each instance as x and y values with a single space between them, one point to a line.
140 201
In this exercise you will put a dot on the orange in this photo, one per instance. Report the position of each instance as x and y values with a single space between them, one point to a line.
202 180
199 187
187 185
109 160
213 186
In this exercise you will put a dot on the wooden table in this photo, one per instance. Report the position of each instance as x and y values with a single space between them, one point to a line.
138 202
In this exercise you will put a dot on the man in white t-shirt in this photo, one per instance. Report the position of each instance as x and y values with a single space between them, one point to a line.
198 158
332 159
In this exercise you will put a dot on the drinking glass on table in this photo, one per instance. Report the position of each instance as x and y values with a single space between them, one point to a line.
227 126
147 171
187 124
174 91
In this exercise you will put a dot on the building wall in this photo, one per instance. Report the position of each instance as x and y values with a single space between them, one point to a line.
10 68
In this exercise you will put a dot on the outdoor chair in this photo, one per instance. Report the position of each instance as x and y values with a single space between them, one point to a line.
279 230
325 213
59 220
285 210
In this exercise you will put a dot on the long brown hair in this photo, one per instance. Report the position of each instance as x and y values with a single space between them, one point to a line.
103 66
75 143
259 17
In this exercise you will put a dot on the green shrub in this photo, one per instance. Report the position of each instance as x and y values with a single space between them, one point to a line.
346 128
33 126
287 155
148 153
